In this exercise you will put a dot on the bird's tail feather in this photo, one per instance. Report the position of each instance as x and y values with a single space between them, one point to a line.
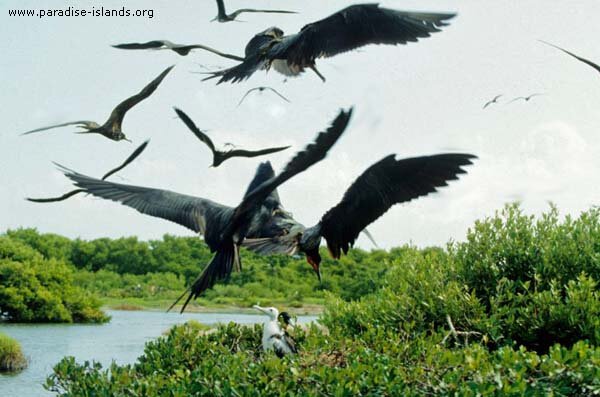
220 267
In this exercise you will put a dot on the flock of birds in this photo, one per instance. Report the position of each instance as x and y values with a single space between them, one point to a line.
259 222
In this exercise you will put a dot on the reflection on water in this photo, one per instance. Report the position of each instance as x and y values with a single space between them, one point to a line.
121 340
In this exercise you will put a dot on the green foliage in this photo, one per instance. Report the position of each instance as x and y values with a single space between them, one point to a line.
11 355
33 289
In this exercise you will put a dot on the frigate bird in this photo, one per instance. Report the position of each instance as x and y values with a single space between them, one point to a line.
524 98
224 228
222 16
580 59
218 155
65 196
261 89
274 337
493 100
181 49
385 183
112 128
346 30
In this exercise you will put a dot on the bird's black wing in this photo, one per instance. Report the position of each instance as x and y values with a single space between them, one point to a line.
55 199
382 185
81 123
129 159
240 72
263 173
580 59
195 213
221 9
116 117
140 46
199 134
312 154
187 48
354 27
255 153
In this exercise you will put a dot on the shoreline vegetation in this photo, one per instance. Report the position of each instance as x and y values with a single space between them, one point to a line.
12 358
512 310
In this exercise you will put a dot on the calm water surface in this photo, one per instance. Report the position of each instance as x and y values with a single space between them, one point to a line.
121 340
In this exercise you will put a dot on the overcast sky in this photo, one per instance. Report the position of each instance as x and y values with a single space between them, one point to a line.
422 98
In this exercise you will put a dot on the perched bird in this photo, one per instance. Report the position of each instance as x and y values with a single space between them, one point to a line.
525 98
222 16
580 59
112 127
261 89
346 30
274 337
224 228
221 156
181 49
491 101
65 196
385 183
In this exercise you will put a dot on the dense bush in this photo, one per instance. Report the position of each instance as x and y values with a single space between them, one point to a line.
33 289
11 355
514 310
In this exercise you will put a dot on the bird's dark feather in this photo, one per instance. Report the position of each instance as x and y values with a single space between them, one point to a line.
382 185
192 126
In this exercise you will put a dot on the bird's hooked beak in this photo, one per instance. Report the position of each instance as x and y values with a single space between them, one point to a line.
260 309
127 139
314 259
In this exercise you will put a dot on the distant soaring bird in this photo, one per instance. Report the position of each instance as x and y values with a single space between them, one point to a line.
224 228
525 98
65 196
274 337
112 127
261 89
222 16
385 183
218 155
346 30
493 100
181 49
580 59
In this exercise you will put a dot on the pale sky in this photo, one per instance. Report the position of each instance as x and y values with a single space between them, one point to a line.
422 98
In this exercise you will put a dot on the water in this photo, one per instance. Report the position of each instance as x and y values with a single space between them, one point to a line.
121 340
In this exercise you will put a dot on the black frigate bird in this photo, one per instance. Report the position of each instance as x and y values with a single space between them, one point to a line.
222 15
492 101
72 193
224 228
382 185
261 89
580 59
181 49
218 155
525 98
346 30
112 128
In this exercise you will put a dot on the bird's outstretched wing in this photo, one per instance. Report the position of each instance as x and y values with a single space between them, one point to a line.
195 213
354 27
261 89
181 49
241 71
382 185
199 134
234 14
82 123
493 100
65 196
580 59
312 154
116 117
255 153
149 45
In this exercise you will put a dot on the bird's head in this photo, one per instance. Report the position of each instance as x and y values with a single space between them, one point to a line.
309 244
273 32
286 318
122 137
269 311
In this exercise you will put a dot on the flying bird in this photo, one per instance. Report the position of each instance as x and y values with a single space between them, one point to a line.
112 128
222 16
385 183
491 101
65 196
525 98
218 155
261 89
346 30
274 337
224 228
181 49
580 59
